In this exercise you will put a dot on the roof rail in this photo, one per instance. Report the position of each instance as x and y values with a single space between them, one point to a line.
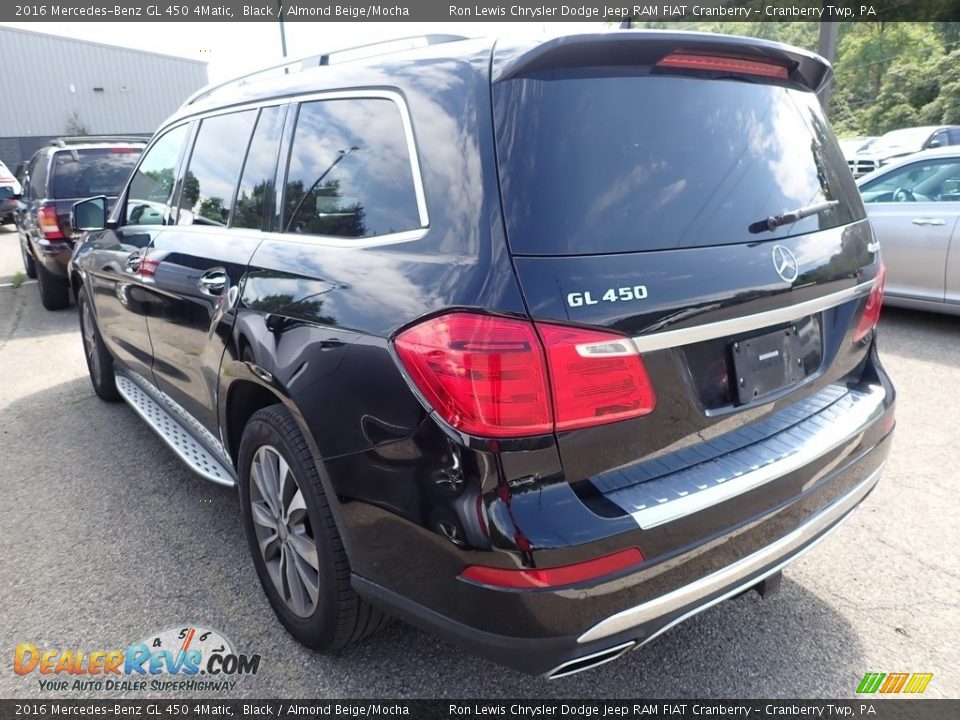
325 59
88 139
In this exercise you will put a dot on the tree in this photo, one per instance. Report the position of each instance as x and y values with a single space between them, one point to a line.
75 125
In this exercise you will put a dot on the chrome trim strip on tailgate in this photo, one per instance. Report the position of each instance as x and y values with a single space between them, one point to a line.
734 326
741 574
676 495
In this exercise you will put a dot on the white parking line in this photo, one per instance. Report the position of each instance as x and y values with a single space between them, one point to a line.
25 282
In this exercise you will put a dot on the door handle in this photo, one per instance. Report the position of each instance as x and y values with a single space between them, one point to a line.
133 262
929 221
213 282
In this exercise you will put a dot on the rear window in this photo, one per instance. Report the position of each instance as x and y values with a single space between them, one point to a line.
92 171
593 165
350 174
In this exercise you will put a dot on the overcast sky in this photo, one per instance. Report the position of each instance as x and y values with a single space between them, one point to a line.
234 48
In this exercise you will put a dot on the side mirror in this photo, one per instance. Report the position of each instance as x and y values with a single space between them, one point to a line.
933 143
90 214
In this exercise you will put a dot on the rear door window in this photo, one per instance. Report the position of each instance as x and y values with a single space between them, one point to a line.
214 169
350 174
256 184
83 173
595 164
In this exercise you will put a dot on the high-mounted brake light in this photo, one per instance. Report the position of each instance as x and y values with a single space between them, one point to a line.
48 224
722 63
871 311
502 377
533 578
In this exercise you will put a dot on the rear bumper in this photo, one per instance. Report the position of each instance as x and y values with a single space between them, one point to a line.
629 611
738 576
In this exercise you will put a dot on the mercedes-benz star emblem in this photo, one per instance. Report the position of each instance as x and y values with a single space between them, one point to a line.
785 263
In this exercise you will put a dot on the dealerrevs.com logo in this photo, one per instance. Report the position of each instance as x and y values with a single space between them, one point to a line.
189 658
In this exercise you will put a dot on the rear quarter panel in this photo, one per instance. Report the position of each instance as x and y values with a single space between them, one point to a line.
319 316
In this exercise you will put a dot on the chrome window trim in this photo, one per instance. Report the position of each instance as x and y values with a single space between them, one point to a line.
734 326
357 94
338 242
742 573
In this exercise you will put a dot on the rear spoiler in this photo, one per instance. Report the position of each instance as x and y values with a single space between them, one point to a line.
646 47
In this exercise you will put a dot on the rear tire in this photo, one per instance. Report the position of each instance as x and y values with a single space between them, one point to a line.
303 567
29 266
99 359
54 291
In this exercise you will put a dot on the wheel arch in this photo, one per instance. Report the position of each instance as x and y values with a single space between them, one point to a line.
244 398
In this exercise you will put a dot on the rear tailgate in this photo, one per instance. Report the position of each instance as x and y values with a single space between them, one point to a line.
80 173
638 171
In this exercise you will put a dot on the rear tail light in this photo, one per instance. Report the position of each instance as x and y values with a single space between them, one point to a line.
596 377
871 311
722 63
533 578
148 267
483 375
501 377
48 223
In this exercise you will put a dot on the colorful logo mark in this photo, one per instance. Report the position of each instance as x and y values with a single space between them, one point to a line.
187 650
894 683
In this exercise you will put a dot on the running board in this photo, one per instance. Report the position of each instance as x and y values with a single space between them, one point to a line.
188 448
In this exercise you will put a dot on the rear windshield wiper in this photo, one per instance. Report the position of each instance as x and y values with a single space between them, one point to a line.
791 216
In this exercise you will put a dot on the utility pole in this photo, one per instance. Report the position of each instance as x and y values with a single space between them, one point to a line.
283 36
827 47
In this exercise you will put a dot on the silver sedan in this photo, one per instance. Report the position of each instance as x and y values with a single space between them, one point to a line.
913 205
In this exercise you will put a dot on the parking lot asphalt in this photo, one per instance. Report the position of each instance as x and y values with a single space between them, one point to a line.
106 537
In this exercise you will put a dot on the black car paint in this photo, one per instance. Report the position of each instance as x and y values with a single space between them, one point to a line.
310 324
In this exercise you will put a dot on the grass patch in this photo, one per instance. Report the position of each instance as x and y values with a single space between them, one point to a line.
18 280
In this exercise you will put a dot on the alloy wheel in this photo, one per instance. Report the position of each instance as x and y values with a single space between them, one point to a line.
284 531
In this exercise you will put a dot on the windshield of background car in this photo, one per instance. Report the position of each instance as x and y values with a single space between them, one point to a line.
92 171
911 139
595 164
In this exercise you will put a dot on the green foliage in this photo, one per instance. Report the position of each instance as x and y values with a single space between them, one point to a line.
887 75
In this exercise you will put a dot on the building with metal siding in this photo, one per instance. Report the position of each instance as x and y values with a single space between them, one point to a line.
56 86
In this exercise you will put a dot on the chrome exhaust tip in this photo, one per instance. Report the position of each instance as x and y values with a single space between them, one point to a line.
588 662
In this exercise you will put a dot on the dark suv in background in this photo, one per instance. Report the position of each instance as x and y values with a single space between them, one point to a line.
59 174
543 346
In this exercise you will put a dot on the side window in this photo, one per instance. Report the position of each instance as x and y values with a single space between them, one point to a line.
211 177
933 181
350 174
939 139
151 188
27 174
38 175
256 184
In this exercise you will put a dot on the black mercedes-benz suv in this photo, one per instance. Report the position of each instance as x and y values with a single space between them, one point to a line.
543 346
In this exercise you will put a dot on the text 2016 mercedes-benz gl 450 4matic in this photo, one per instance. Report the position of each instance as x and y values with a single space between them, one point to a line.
543 346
